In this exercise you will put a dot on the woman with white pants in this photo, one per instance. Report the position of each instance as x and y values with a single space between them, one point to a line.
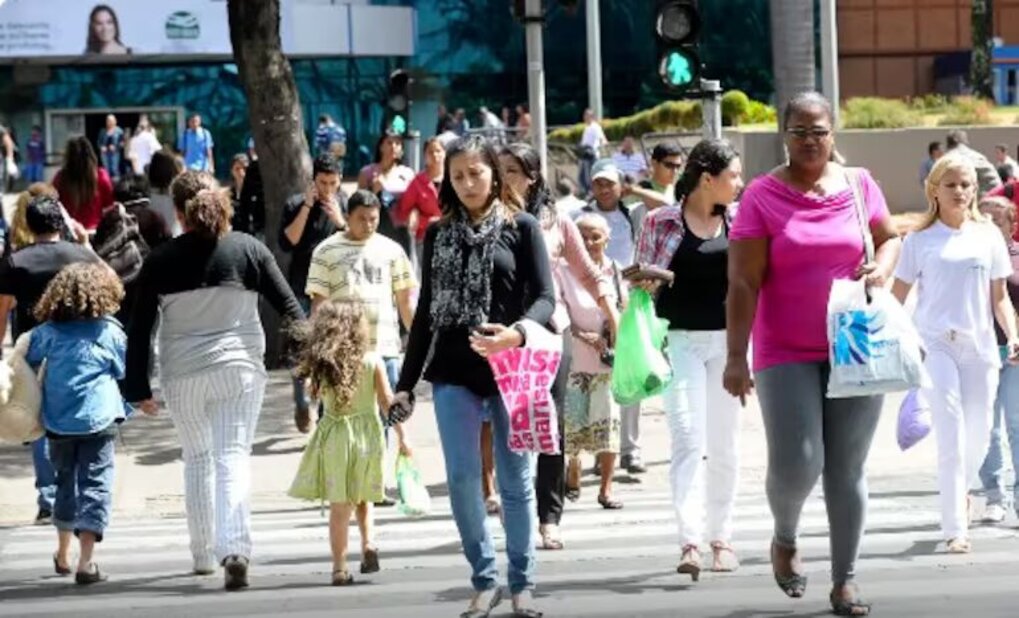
691 240
960 264
205 286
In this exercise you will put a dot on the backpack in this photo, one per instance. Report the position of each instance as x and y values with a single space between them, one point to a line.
118 241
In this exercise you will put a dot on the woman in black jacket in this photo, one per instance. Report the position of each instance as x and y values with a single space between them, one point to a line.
485 269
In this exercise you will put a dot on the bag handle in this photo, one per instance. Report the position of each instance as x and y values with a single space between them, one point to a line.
618 285
859 205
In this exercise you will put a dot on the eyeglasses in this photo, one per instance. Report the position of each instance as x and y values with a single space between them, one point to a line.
804 133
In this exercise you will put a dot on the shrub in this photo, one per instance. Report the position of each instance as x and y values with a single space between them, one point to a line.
875 113
967 111
735 105
761 113
929 103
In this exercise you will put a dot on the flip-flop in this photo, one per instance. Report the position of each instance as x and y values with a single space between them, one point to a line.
493 506
342 577
60 570
793 585
92 576
485 612
573 494
550 541
849 607
609 504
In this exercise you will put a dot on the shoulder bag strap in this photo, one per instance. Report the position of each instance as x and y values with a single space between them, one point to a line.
860 206
619 286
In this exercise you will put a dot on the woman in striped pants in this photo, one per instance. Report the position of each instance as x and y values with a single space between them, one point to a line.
205 285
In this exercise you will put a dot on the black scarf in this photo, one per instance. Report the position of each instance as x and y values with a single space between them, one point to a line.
462 294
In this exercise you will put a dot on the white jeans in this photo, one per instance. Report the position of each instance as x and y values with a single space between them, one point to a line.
215 414
961 399
704 423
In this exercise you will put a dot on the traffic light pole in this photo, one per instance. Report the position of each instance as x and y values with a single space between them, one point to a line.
711 108
592 13
535 21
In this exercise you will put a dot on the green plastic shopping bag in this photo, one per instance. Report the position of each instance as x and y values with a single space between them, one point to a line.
414 500
641 368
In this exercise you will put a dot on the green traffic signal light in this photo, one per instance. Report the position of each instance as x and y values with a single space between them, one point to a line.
678 68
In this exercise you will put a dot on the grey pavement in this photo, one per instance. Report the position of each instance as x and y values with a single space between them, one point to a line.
618 563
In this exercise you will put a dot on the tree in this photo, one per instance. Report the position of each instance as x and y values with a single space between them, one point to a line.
792 48
980 76
274 113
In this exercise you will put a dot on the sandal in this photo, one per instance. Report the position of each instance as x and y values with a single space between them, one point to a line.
60 570
92 576
550 538
690 563
852 606
485 609
573 494
720 563
342 577
609 504
369 561
525 599
958 546
793 585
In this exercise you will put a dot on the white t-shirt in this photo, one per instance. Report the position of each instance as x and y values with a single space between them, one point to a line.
593 136
143 146
953 270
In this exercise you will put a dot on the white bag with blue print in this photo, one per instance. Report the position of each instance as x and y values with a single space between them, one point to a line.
873 347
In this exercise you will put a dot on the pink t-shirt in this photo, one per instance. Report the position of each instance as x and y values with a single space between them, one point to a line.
812 241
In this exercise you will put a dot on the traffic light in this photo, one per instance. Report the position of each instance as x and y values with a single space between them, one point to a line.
398 102
677 26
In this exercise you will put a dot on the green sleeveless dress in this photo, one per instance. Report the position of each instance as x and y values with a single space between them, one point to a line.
344 458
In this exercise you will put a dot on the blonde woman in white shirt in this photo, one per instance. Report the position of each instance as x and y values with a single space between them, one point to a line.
959 262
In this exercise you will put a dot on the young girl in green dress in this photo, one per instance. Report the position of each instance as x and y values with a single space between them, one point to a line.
343 461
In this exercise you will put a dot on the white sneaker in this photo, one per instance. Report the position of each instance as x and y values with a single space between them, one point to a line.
994 514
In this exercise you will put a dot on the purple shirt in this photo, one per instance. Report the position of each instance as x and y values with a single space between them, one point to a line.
35 150
811 242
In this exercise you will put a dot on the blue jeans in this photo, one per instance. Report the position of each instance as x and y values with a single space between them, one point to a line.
111 161
459 414
1006 413
84 467
45 477
34 172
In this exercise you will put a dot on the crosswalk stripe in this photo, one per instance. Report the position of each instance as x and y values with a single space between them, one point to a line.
420 556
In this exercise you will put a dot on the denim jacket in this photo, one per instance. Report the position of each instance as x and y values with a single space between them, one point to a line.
84 359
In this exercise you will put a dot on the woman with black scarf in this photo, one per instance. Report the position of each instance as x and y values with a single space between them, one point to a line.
485 270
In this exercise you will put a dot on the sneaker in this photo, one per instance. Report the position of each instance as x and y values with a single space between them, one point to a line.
236 568
634 465
993 514
43 517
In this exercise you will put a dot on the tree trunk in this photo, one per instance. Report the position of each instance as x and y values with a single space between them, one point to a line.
792 49
981 79
274 113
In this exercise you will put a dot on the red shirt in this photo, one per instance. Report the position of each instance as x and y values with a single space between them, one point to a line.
423 196
88 214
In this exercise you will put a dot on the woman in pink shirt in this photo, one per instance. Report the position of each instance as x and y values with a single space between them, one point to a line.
796 231
522 170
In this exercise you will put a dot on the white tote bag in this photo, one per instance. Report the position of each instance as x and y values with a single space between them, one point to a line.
873 347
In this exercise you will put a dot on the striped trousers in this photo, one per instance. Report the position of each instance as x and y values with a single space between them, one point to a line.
215 414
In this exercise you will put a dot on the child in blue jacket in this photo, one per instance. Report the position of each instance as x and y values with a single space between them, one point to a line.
83 349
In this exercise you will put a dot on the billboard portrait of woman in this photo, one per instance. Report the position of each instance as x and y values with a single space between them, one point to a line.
104 33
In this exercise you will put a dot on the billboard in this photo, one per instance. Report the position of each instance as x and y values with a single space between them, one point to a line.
115 28
121 31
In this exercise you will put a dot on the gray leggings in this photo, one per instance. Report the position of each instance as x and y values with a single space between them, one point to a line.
809 434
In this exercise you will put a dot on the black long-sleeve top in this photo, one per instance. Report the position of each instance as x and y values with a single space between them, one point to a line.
208 293
522 288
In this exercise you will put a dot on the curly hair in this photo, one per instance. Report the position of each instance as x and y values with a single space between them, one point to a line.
331 349
82 291
208 214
